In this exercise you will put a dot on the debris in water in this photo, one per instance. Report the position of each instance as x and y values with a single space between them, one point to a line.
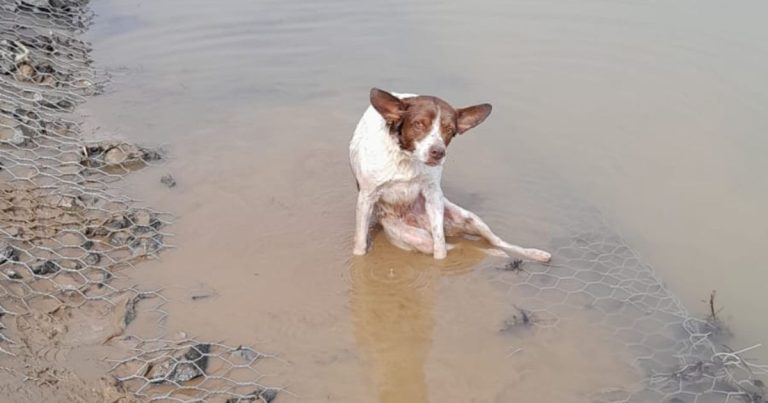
515 266
713 324
168 180
712 312
523 319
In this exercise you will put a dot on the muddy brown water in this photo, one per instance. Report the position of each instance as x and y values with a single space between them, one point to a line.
653 113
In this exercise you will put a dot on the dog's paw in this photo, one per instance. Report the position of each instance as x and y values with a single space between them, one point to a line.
538 255
359 251
440 254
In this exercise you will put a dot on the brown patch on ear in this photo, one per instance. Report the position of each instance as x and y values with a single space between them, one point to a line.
389 106
471 116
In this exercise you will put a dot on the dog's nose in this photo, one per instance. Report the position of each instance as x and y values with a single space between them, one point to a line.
437 153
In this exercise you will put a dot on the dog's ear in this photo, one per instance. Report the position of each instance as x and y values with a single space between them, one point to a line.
472 116
389 106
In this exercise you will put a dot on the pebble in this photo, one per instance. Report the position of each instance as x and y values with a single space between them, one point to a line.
168 180
115 156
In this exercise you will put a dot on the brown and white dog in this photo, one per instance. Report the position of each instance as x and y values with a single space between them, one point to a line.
397 155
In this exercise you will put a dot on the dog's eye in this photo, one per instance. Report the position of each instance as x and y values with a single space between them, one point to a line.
449 131
418 125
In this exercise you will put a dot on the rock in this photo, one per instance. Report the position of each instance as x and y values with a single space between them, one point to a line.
105 277
258 395
92 259
25 72
121 238
115 156
192 364
12 53
8 253
146 246
118 222
69 202
48 267
156 224
37 3
11 135
248 354
118 155
151 155
168 180
13 275
130 310
123 314
48 81
268 395
142 218
56 102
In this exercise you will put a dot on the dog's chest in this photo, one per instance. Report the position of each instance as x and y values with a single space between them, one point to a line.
400 192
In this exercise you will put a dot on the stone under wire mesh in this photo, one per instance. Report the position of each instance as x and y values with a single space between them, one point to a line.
66 232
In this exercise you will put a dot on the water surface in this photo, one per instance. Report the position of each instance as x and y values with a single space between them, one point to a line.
653 113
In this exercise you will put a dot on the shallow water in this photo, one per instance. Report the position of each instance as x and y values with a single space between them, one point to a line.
653 113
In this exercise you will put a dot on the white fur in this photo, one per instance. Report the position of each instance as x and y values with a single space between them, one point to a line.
388 176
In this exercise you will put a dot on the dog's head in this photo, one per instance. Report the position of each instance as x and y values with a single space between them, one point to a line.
424 126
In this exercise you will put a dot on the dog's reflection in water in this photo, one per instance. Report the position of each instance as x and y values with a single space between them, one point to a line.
392 297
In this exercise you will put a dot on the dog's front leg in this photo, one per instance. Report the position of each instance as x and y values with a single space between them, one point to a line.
435 205
365 202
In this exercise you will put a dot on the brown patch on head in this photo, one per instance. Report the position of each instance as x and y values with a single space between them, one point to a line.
416 123
412 119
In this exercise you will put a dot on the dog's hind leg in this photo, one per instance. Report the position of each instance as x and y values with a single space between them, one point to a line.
458 219
408 237
405 236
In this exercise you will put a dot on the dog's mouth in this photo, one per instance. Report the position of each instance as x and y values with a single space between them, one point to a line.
433 163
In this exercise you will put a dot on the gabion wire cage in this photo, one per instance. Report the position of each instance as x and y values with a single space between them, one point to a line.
66 232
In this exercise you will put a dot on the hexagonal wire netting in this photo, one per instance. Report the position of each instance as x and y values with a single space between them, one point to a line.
65 233
594 272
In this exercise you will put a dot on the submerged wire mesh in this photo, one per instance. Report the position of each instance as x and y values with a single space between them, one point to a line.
65 232
161 369
596 275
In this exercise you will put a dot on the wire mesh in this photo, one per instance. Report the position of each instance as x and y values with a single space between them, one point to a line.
172 370
66 232
596 275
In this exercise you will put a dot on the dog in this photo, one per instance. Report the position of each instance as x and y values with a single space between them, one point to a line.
397 154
